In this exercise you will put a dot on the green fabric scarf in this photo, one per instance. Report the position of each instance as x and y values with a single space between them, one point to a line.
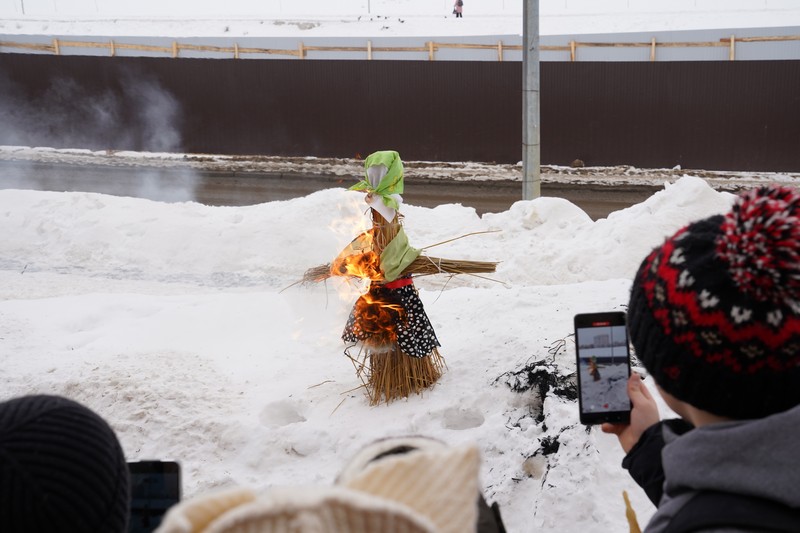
397 255
392 182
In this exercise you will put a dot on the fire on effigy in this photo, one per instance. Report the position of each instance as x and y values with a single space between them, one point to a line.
388 335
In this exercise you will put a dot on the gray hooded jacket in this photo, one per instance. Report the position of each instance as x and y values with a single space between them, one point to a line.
759 458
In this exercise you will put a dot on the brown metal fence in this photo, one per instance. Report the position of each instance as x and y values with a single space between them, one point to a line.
740 115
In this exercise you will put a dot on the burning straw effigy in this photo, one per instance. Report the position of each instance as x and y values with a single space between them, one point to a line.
396 349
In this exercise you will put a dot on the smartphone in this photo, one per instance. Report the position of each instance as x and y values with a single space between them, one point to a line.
155 487
604 366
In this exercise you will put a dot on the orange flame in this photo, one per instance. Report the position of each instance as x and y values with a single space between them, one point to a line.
359 260
377 316
376 312
366 266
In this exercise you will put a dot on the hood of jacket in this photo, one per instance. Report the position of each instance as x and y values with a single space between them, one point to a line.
753 457
756 458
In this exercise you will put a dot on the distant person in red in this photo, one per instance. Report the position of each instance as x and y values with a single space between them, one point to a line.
458 6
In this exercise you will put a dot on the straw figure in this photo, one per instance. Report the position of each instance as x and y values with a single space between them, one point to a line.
594 371
397 349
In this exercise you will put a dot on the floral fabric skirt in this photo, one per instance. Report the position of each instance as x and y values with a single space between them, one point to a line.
392 315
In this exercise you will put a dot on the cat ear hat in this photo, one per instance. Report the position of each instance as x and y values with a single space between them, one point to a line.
432 490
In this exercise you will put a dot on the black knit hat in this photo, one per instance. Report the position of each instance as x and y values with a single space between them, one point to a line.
61 469
714 313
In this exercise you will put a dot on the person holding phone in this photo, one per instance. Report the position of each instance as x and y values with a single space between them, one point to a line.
62 468
714 316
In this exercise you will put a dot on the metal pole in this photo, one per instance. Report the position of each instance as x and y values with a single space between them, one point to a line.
531 178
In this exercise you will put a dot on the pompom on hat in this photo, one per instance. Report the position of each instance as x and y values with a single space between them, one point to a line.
61 469
714 312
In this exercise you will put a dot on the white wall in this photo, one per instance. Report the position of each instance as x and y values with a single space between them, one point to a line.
270 9
185 9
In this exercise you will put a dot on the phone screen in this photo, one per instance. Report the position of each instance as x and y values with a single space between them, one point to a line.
601 345
155 487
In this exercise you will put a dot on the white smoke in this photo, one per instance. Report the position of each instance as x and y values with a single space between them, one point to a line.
135 113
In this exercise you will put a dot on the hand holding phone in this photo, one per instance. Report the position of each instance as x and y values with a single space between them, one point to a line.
603 362
644 413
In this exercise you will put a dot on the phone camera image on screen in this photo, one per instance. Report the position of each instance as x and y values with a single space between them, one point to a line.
603 361
155 487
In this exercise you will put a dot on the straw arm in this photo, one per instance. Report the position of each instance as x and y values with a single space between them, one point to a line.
423 265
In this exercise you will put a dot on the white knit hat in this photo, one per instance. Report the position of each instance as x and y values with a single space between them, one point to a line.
428 491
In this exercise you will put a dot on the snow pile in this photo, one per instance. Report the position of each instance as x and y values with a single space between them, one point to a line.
174 321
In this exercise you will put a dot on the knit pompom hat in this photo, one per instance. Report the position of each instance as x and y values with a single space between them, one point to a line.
61 469
714 311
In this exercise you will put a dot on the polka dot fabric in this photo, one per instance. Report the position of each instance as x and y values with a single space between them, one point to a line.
404 314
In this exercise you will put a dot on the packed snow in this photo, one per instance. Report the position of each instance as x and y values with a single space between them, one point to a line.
371 18
182 324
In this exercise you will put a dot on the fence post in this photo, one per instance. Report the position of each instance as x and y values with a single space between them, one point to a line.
113 49
500 51
369 50
430 50
652 49
572 51
236 50
301 50
732 53
174 49
56 47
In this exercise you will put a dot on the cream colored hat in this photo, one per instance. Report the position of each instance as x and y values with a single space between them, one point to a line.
428 491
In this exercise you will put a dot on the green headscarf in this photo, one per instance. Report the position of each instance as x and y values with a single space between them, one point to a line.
391 183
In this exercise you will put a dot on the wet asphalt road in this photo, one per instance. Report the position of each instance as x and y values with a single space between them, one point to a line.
249 188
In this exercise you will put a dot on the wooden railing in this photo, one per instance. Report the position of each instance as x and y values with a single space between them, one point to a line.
430 47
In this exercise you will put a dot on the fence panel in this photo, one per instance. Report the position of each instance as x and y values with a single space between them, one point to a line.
726 115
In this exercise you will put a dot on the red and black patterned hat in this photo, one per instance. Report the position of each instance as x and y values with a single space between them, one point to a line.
714 313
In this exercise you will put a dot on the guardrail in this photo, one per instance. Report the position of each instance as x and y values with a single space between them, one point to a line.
430 47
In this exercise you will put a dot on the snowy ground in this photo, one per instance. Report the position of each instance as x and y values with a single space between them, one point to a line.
364 18
181 325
